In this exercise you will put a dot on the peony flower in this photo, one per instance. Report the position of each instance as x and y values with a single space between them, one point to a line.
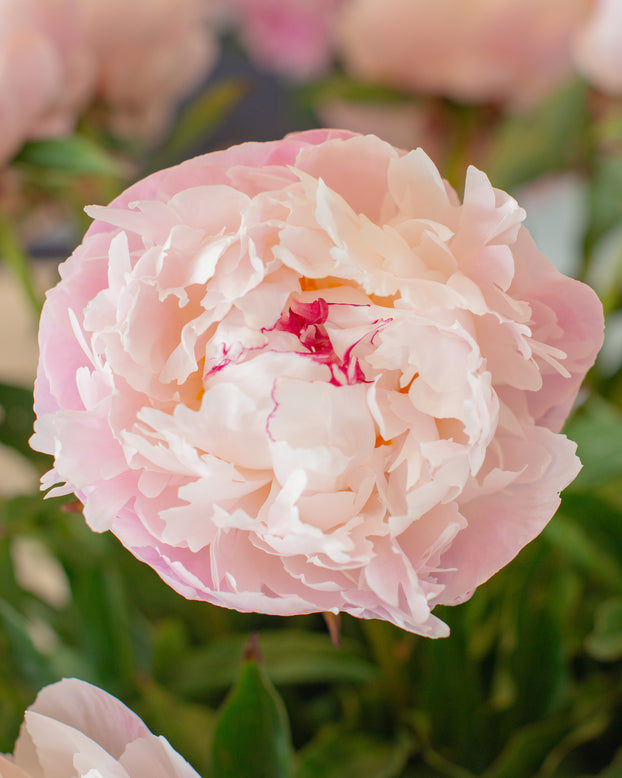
598 51
292 37
73 728
301 376
512 52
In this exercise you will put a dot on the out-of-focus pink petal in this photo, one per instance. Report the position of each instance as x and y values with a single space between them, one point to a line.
74 728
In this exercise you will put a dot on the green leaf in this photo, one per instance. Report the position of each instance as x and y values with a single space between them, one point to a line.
105 613
605 198
453 696
77 155
583 551
291 656
605 642
545 140
597 432
251 736
339 755
33 666
16 421
339 86
16 258
187 726
199 119
527 749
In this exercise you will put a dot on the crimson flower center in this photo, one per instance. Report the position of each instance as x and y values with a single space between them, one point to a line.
307 322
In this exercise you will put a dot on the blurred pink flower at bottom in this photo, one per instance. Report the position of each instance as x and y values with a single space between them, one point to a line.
74 728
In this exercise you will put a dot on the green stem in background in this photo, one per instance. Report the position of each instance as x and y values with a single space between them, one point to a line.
14 255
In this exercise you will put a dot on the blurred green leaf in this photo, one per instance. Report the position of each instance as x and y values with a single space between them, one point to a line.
291 656
597 430
187 726
605 642
604 198
585 530
13 254
32 664
76 154
527 749
452 696
107 629
199 119
252 737
547 139
344 755
16 421
339 86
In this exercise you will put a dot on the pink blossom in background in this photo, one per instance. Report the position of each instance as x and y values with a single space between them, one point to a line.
46 73
598 50
136 59
512 52
150 54
291 37
73 728
301 376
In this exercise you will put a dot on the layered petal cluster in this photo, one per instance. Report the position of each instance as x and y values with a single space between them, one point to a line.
302 376
137 59
511 52
76 729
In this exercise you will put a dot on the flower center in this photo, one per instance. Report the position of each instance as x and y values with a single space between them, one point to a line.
306 321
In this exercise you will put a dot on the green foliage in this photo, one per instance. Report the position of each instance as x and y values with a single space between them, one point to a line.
76 155
198 120
16 421
548 139
252 735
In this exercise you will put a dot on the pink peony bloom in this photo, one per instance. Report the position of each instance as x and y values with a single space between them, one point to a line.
292 37
598 50
512 52
73 728
300 376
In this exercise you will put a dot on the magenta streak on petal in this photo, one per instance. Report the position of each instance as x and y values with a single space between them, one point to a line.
306 322
216 368
272 412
